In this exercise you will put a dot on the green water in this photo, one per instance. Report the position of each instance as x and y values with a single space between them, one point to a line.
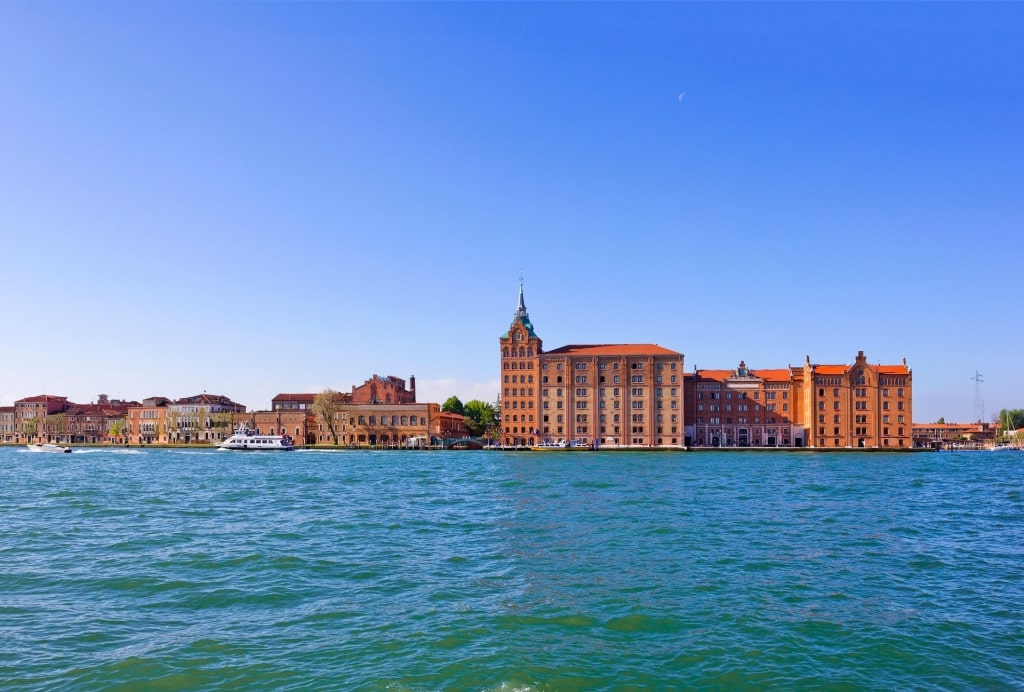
183 570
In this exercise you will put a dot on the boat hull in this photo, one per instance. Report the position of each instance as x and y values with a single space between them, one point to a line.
49 448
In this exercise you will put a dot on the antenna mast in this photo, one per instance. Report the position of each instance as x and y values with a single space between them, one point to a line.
979 403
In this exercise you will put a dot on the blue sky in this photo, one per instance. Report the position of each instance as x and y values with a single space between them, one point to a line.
253 198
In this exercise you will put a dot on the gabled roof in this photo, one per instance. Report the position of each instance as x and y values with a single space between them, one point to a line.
295 397
40 399
613 350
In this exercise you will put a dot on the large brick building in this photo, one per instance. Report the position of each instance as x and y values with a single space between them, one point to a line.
823 406
381 412
742 408
605 394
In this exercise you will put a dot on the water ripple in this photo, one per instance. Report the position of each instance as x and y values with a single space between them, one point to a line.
188 569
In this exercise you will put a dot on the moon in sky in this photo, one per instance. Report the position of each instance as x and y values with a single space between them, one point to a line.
681 95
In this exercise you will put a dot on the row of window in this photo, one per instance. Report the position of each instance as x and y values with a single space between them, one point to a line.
863 419
860 431
582 392
583 418
860 392
395 420
582 365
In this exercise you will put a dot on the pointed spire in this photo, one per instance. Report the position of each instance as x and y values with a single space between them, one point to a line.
521 310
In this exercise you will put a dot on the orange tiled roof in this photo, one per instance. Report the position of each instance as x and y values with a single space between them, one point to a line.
893 369
777 375
717 375
831 369
613 350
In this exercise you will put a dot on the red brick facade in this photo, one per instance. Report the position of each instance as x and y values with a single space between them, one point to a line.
624 395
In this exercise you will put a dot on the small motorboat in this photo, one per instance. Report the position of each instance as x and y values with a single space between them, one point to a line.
49 447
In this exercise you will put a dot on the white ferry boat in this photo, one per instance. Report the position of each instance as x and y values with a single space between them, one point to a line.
247 439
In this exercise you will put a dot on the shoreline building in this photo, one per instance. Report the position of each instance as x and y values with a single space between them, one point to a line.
742 408
859 405
381 412
627 395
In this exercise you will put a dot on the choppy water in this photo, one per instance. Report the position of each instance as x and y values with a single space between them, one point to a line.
495 571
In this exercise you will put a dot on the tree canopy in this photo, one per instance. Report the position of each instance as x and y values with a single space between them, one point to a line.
453 405
325 405
1011 418
481 418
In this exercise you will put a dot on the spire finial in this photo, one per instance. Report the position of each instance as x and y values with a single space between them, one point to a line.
521 309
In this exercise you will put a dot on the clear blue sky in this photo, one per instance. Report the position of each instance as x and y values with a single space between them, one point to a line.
253 198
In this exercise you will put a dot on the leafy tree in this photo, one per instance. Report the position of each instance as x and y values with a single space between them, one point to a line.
480 417
223 423
453 405
1011 418
325 406
30 426
941 421
116 429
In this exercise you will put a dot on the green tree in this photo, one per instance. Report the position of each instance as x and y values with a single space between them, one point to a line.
480 417
116 429
224 423
30 426
1011 419
325 406
453 405
941 421
173 426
